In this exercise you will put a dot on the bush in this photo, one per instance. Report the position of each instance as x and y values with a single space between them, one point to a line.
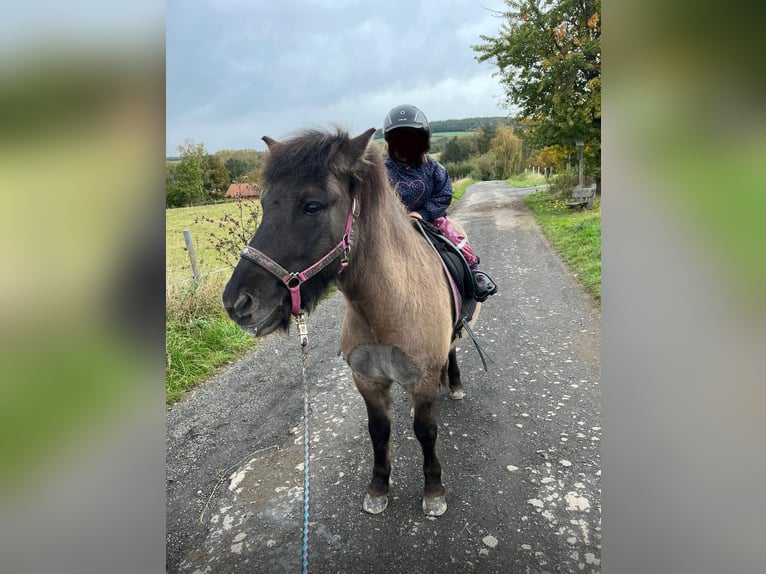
459 170
563 183
484 168
232 231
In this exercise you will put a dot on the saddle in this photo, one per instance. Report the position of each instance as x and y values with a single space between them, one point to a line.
461 280
458 273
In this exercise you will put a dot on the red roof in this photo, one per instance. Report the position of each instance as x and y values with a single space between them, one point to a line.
244 190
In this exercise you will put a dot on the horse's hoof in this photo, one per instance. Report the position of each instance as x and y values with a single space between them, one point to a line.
375 505
434 506
457 394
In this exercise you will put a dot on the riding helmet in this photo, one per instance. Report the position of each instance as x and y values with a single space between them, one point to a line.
406 116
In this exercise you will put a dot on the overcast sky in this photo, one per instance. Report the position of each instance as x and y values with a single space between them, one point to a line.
241 69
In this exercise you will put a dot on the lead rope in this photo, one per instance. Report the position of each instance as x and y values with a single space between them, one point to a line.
304 336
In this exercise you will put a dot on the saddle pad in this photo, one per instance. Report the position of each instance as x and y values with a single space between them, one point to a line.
458 270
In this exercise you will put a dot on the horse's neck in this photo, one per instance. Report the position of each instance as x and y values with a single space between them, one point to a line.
387 252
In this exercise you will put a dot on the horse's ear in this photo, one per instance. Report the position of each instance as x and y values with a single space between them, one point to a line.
269 141
358 145
352 151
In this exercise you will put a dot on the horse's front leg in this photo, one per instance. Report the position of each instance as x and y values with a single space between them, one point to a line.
434 500
378 401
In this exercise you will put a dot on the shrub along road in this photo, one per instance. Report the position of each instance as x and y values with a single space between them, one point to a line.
520 454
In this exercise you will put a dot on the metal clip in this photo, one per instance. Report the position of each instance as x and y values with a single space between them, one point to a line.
346 250
303 331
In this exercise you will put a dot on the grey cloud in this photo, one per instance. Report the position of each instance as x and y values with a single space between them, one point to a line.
238 67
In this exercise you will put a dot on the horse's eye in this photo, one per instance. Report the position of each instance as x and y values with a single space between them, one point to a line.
312 208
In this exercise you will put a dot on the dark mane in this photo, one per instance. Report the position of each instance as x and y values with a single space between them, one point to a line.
304 156
372 186
309 155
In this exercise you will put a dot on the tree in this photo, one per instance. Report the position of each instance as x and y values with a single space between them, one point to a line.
236 167
171 193
456 150
548 53
506 149
216 177
187 186
551 156
483 138
241 161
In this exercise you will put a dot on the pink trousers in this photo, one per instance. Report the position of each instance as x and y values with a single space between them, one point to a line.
445 226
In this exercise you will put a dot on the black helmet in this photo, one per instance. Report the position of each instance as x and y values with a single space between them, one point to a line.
405 116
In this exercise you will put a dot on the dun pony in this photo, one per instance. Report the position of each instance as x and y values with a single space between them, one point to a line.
398 322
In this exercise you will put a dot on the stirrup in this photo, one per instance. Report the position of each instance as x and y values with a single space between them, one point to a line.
484 286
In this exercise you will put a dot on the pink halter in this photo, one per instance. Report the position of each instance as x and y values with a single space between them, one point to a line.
294 280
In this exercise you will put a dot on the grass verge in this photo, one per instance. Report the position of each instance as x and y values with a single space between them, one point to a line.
527 179
459 187
575 234
200 337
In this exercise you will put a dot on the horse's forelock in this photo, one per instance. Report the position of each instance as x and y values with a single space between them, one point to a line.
307 155
315 155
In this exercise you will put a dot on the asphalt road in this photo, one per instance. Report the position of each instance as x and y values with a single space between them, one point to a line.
520 454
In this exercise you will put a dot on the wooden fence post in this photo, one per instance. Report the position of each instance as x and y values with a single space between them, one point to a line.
192 254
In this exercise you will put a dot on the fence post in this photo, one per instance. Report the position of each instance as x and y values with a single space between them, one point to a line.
192 254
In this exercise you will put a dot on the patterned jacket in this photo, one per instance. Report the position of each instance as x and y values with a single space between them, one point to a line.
426 190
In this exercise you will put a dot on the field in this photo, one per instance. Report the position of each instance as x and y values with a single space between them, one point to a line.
199 337
452 134
178 268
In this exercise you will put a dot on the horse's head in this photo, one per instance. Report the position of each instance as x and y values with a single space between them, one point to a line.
306 205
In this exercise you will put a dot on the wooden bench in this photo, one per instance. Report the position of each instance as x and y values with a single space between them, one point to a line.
583 197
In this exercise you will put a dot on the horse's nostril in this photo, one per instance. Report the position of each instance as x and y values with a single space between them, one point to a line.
243 304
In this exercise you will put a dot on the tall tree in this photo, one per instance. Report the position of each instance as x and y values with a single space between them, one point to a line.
483 138
188 184
236 167
548 53
216 177
506 149
456 150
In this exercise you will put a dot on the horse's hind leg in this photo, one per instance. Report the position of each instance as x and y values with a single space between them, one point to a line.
378 402
434 501
453 376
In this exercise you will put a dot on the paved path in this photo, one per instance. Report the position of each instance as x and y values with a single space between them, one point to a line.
520 453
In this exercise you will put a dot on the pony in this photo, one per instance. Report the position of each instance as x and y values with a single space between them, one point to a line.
329 215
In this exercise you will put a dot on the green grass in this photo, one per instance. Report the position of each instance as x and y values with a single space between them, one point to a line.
452 134
527 179
575 234
459 187
178 268
200 337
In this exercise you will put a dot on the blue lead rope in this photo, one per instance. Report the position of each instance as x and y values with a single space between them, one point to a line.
303 333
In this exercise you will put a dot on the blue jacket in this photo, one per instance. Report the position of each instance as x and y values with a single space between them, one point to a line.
426 190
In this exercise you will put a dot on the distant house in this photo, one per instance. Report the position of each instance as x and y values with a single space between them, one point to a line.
249 190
